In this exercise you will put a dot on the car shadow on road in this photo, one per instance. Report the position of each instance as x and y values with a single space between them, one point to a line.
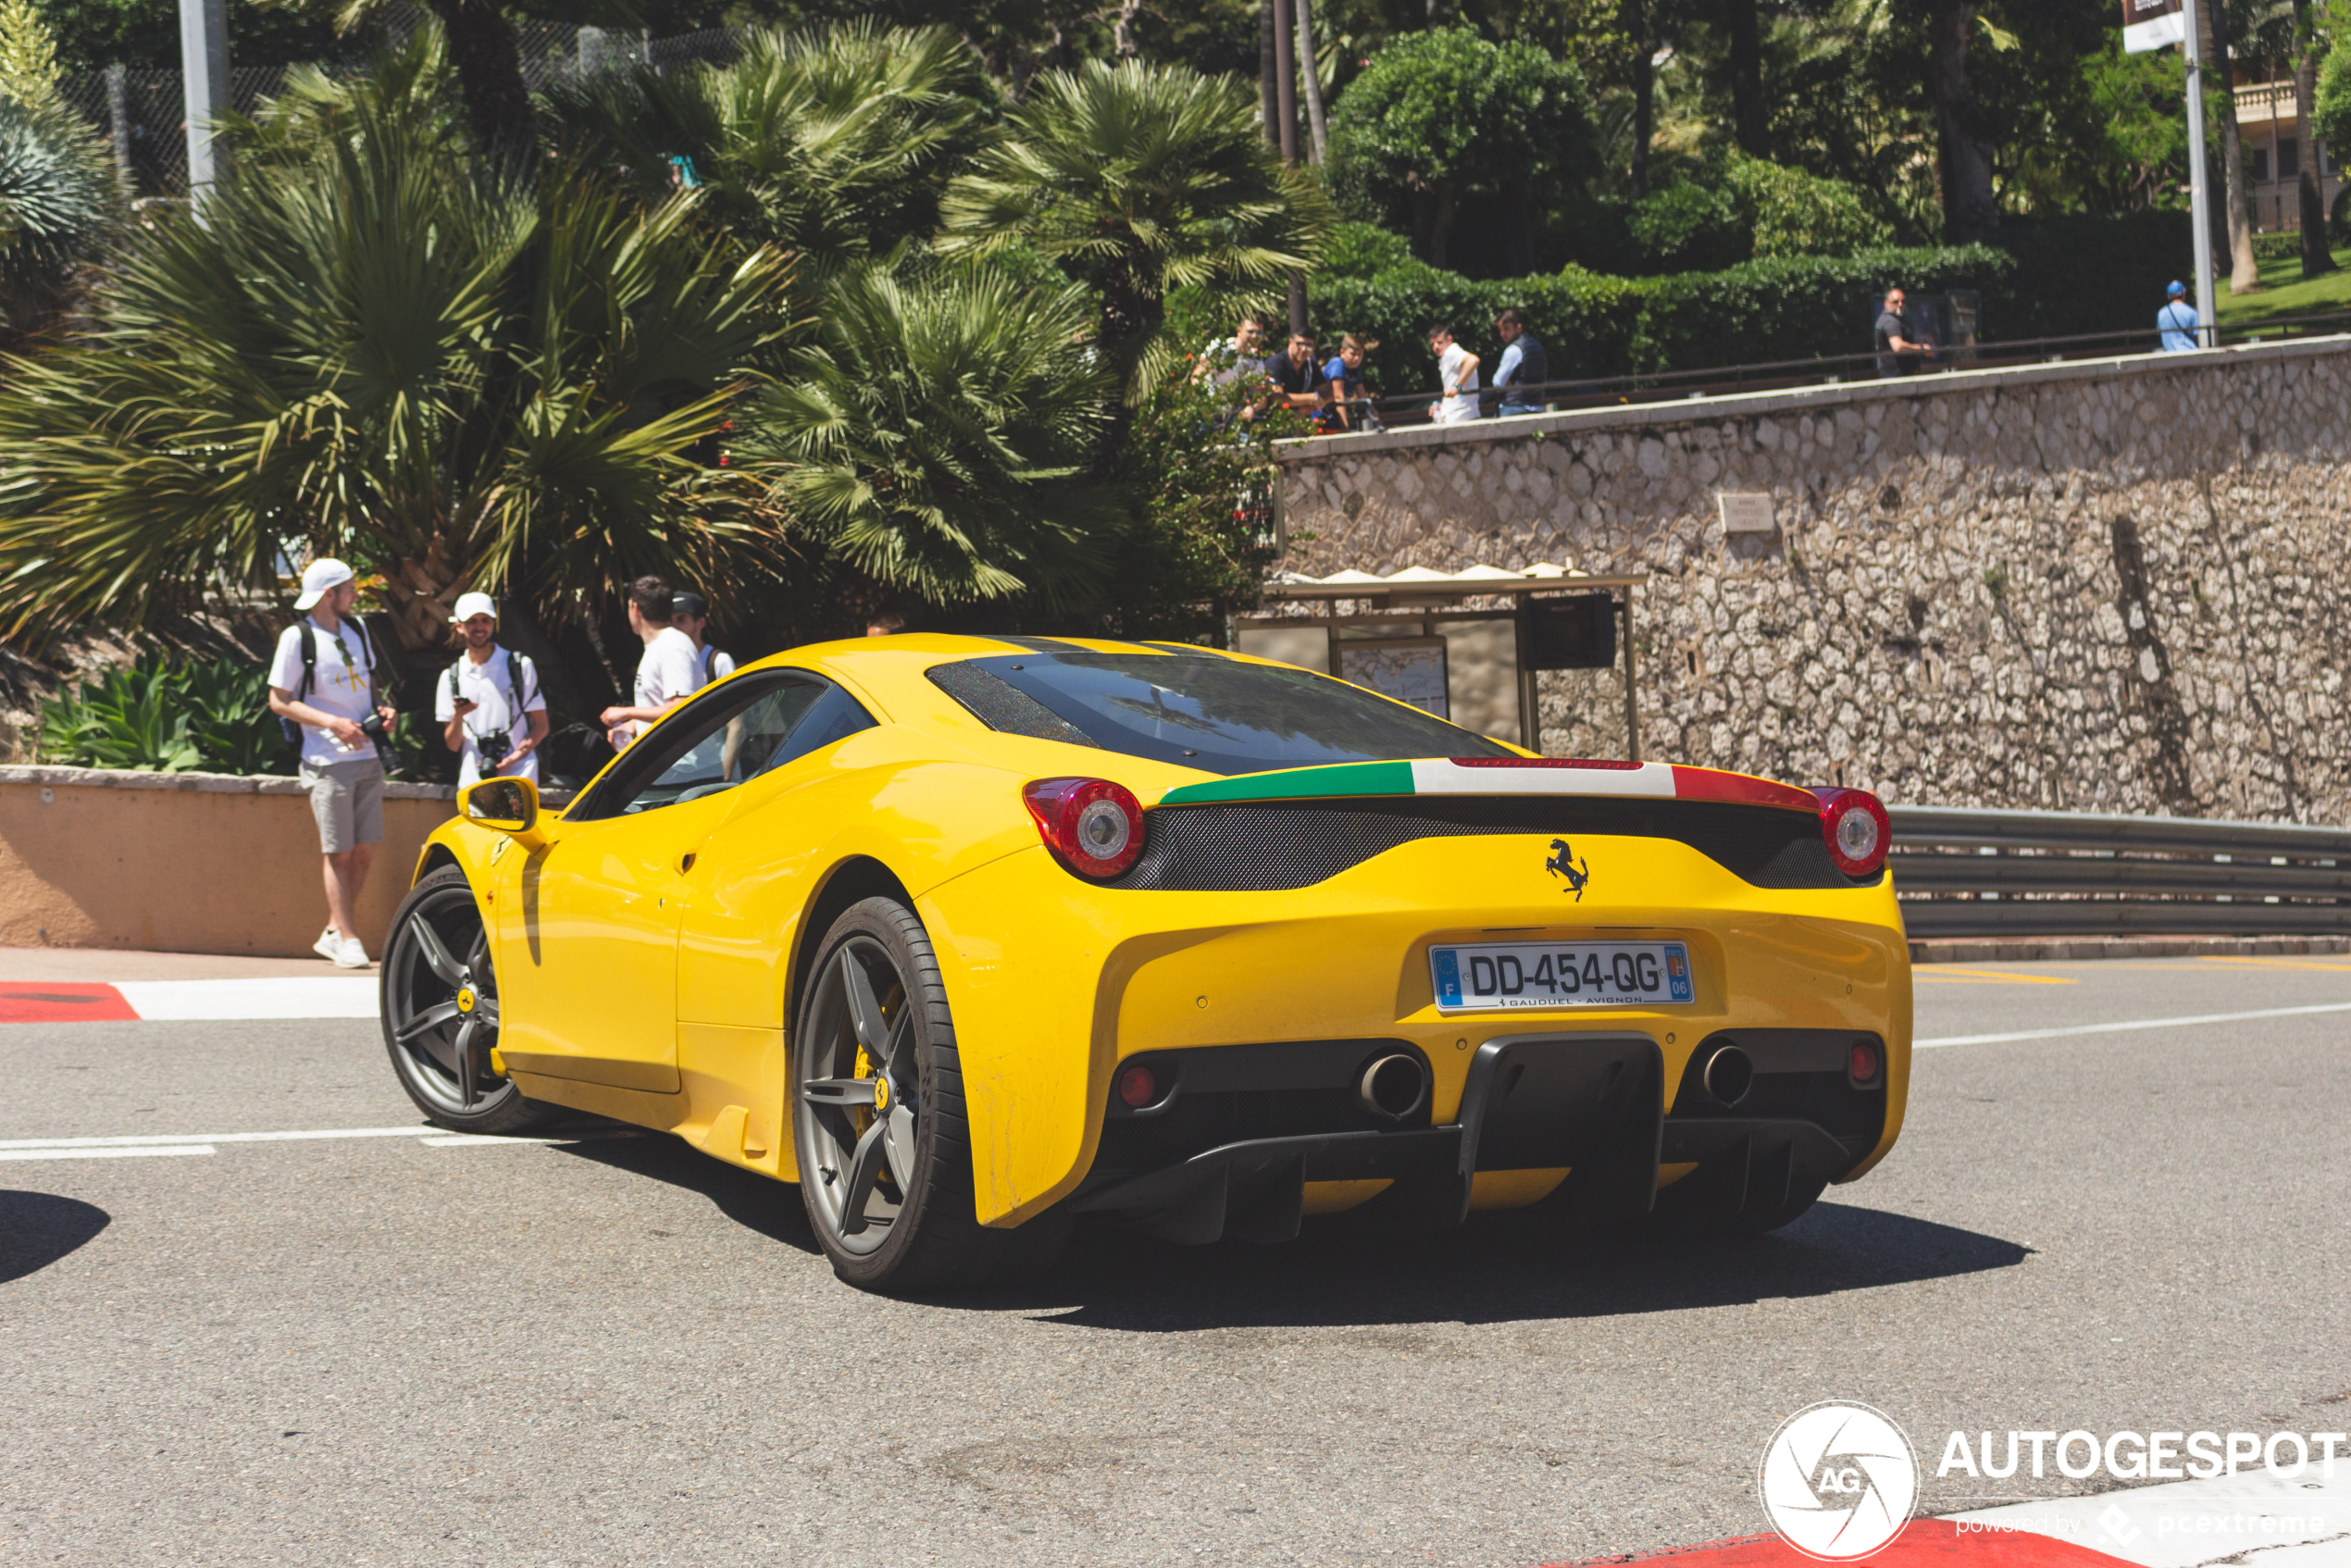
756 1202
1499 1267
37 1228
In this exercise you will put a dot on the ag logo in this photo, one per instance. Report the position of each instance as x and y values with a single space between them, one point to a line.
1839 1481
1564 864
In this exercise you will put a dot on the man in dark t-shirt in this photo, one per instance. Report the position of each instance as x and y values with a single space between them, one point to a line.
1298 378
1897 352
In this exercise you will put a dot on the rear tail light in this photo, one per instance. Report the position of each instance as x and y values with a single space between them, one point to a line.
1863 1064
1137 1086
1854 824
1093 826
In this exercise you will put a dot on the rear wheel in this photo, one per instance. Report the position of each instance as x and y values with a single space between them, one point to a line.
878 1121
440 1009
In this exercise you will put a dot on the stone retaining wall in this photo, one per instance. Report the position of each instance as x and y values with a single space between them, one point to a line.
2117 585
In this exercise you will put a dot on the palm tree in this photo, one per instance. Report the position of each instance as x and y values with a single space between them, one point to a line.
836 146
450 376
933 435
1138 179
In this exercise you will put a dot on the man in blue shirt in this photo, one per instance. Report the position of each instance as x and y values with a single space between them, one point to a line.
1523 365
2177 320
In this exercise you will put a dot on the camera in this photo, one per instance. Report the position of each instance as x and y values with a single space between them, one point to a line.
493 747
372 727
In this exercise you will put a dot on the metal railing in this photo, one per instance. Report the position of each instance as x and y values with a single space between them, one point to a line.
1966 873
1402 409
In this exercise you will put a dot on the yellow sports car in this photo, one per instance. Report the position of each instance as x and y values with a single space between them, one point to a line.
969 936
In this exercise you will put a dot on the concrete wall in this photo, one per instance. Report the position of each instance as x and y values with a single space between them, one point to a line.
2119 585
185 862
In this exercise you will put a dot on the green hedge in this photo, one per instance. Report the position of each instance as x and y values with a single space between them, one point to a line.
1594 326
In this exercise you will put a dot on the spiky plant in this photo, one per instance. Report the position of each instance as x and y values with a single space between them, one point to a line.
452 376
932 435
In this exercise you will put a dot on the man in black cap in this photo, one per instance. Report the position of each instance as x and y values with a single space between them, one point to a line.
692 617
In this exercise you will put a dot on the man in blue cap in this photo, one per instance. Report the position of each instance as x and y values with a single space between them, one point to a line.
2177 320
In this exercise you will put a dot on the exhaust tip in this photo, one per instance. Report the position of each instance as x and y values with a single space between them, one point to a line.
1392 1087
1730 1073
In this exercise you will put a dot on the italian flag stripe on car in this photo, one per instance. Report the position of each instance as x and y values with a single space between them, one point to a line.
1498 776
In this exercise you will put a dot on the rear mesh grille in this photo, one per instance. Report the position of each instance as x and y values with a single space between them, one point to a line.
1261 848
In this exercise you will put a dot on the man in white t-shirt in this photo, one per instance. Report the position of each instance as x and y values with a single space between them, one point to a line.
1457 372
323 679
692 617
489 696
670 670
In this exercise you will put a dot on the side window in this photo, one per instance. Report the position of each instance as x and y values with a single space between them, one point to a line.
743 729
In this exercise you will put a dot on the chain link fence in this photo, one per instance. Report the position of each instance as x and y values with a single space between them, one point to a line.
144 114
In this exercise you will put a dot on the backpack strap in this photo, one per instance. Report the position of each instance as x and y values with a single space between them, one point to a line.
514 687
309 658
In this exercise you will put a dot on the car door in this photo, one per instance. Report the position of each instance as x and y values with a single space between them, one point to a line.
588 938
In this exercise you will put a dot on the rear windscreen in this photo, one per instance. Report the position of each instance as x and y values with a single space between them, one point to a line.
1220 716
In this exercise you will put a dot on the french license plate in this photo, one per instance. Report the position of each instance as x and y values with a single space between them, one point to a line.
1492 975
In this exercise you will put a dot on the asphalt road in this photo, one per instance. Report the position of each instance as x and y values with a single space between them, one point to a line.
616 1350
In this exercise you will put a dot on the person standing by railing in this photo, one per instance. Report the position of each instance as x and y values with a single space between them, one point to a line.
1524 364
1352 409
2177 322
1898 354
1457 370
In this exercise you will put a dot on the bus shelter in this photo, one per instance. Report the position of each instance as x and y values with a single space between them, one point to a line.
1466 646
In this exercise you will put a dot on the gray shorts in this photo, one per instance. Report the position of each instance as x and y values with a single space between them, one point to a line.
348 799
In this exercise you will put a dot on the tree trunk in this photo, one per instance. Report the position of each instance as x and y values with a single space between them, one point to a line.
1634 16
1433 211
1311 78
1518 229
1267 119
420 592
487 58
1121 31
1963 160
1130 323
2316 259
1746 78
2245 272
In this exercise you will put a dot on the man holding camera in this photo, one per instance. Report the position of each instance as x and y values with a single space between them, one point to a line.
323 680
492 711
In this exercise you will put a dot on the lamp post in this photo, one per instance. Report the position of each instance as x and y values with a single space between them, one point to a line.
2208 301
204 75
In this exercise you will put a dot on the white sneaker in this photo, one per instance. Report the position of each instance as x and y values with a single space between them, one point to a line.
330 945
350 956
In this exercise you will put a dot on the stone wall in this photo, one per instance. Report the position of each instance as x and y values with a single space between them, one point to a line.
2120 585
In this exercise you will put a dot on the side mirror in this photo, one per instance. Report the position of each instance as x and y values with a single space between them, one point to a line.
508 805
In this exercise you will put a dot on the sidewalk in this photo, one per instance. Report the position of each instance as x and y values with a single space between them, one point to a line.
106 965
110 985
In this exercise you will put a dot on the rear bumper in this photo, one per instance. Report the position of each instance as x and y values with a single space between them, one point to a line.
1589 1103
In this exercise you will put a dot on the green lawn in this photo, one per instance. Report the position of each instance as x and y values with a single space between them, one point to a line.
2283 293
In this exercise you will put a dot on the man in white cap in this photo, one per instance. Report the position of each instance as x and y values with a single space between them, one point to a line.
322 686
492 712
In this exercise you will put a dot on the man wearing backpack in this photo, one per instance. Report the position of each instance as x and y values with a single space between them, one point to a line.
322 687
694 619
492 711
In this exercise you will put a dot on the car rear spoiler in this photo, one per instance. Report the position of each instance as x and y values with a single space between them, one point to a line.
1498 776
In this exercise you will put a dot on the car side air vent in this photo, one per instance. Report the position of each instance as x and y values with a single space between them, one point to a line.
1003 706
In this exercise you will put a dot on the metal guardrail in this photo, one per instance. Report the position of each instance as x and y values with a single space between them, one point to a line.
1963 873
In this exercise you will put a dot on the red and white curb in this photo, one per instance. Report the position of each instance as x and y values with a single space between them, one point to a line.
299 996
2252 1519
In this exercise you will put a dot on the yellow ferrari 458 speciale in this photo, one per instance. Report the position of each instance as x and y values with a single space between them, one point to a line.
969 936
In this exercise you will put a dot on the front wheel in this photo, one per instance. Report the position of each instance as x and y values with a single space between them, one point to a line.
440 1009
878 1122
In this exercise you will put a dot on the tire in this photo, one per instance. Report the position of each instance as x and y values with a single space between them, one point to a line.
878 1121
439 1004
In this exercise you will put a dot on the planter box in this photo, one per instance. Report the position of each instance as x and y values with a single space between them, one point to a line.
186 861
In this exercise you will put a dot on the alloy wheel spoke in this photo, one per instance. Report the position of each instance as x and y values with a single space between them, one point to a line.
864 1166
466 1034
886 1060
437 957
486 1010
864 1009
898 1143
431 1018
480 951
838 1091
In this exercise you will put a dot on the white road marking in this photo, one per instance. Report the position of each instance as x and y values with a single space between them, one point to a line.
2127 1024
466 1139
300 996
134 1141
107 1153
